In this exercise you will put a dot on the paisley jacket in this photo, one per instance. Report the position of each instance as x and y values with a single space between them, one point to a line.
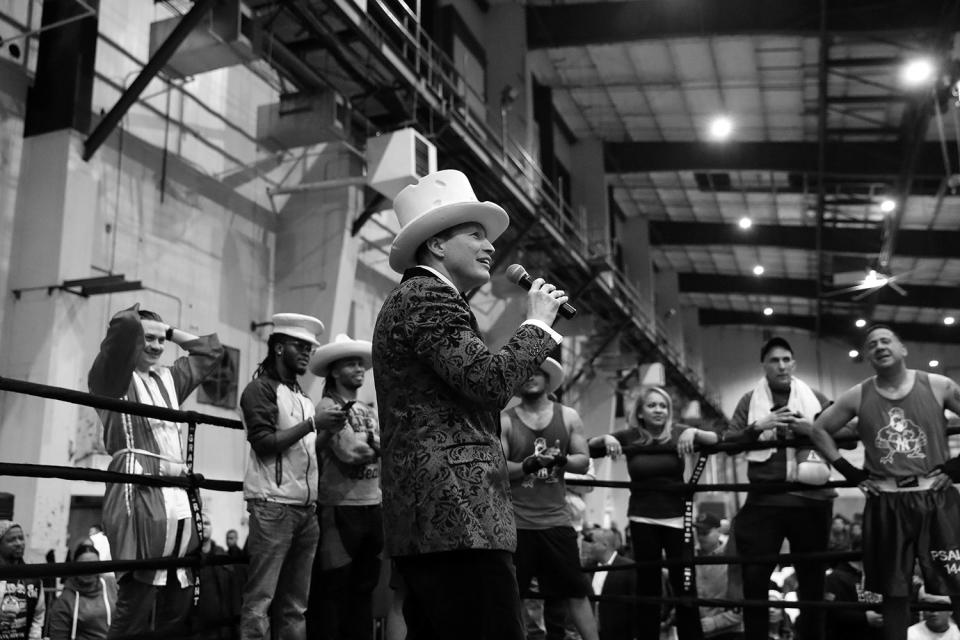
440 391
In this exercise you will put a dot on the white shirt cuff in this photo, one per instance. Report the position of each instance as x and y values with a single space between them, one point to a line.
543 325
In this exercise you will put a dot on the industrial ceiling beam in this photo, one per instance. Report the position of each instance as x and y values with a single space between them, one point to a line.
917 295
154 65
839 326
587 23
910 242
842 158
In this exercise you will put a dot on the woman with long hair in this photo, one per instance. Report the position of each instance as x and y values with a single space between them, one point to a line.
655 448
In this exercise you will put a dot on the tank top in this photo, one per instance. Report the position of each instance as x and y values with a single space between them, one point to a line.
904 437
539 502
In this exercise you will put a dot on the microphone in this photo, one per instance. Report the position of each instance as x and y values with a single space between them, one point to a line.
519 276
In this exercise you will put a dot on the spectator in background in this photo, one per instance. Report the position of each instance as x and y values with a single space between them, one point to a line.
233 549
839 534
22 609
845 584
220 592
615 620
718 623
99 540
86 605
934 625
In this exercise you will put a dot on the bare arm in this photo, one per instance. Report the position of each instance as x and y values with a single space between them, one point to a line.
578 456
949 392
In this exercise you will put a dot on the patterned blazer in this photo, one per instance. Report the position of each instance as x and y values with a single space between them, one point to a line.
440 391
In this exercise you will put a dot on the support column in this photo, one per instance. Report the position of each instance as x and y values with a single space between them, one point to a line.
692 350
316 257
588 194
637 261
44 336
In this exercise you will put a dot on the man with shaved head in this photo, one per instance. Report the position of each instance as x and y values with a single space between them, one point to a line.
912 510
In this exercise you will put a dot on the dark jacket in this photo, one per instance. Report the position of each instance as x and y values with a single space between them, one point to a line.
618 620
440 391
844 584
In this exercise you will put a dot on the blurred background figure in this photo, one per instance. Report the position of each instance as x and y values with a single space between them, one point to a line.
22 609
718 623
233 549
87 603
216 615
845 584
935 625
615 620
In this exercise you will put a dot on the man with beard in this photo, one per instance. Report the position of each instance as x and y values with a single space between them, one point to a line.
280 483
542 438
347 566
912 510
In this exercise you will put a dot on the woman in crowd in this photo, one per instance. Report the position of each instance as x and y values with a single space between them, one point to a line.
86 605
656 517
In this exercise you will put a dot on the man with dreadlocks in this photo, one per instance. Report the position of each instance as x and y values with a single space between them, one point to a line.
280 484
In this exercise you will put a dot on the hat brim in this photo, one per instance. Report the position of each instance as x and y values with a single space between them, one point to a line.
554 372
298 333
329 353
404 248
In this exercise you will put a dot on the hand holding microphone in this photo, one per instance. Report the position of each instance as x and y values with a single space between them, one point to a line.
544 300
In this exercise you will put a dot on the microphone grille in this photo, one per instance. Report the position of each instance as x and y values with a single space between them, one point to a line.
515 272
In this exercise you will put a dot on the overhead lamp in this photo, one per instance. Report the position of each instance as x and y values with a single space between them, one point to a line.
768 311
888 205
861 323
853 353
917 72
720 128
758 270
934 364
949 320
745 222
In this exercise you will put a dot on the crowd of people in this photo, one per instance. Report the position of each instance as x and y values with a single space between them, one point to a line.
465 491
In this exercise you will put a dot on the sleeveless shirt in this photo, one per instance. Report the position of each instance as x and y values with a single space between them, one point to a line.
542 504
904 437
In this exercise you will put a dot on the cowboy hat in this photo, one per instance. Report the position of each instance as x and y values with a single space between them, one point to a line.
440 200
343 346
298 326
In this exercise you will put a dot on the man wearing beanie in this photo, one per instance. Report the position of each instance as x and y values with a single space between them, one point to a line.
22 609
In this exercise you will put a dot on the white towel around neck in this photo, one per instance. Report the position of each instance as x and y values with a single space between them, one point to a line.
802 400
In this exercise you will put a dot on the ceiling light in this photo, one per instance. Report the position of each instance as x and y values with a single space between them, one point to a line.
887 205
853 353
934 364
745 222
758 270
861 323
721 127
949 320
917 71
768 311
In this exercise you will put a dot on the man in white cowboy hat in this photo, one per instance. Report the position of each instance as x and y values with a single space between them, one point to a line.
347 566
148 522
446 499
541 439
285 432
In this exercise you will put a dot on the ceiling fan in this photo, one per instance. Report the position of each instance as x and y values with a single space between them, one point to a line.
867 283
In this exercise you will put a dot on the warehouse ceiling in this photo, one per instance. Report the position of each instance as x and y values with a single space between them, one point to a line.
824 129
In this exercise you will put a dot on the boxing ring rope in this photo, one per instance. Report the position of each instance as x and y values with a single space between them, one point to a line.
193 482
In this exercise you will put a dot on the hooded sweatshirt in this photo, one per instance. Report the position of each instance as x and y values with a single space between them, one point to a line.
83 612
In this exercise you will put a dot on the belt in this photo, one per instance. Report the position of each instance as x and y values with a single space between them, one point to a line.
904 483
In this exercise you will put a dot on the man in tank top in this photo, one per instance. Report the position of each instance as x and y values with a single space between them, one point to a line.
912 510
542 439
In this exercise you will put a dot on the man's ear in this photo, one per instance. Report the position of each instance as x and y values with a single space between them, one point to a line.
435 246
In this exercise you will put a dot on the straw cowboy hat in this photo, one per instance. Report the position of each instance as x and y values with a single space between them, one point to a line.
440 200
298 326
554 373
343 346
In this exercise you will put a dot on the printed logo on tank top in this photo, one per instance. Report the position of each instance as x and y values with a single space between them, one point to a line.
901 436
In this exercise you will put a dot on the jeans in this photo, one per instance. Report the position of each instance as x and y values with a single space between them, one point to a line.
760 531
281 544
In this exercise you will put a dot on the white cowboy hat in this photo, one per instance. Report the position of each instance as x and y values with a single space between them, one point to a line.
440 200
297 325
343 346
554 373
